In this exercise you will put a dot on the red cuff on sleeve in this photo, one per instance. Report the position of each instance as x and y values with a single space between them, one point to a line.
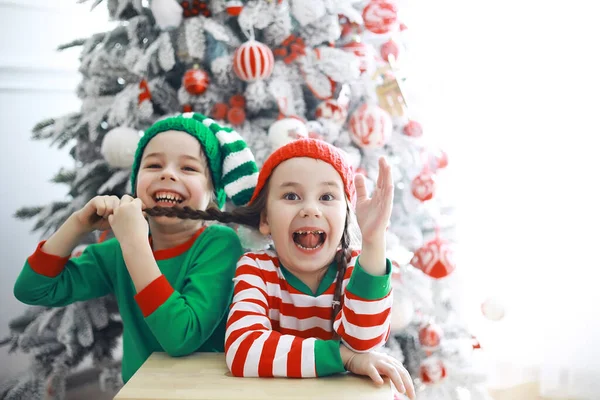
154 295
46 264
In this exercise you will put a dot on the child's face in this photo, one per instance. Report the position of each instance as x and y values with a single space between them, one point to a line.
306 212
174 172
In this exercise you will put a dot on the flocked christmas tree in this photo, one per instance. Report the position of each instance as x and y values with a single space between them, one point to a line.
275 70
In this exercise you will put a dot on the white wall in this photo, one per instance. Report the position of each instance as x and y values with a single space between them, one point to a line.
36 82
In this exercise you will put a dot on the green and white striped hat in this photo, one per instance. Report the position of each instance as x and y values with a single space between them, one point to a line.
232 166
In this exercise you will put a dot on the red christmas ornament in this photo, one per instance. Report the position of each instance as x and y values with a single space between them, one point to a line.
423 186
370 126
413 129
187 108
237 100
194 8
430 335
234 7
389 48
236 116
380 16
435 258
219 111
253 61
291 48
195 81
441 159
360 50
144 92
432 370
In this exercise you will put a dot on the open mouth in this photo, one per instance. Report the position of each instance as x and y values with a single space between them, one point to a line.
167 199
309 240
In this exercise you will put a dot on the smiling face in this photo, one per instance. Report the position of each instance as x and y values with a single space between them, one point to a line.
305 214
174 172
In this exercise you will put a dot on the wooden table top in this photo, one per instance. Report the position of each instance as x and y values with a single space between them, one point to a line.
204 376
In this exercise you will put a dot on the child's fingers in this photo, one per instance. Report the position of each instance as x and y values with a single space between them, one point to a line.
114 203
138 203
100 205
374 374
408 383
361 188
406 379
392 372
126 199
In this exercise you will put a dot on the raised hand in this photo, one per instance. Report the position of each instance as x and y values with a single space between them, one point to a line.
373 214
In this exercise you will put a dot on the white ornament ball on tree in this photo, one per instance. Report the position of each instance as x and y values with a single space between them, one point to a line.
285 131
370 126
493 309
167 13
119 146
403 312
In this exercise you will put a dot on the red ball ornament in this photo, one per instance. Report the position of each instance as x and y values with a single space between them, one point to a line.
219 111
435 258
237 100
430 335
236 116
413 129
423 186
360 50
389 48
432 370
380 16
195 81
234 7
187 108
253 61
370 126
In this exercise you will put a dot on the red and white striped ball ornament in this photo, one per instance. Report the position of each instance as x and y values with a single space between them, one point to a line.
435 258
423 186
432 370
380 16
430 336
253 61
333 111
370 126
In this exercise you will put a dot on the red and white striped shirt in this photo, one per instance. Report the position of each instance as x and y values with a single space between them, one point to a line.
277 327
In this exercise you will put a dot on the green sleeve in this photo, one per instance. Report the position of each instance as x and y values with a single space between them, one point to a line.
367 286
82 278
189 317
328 360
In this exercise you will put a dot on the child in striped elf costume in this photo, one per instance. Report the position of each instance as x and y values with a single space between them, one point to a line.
311 306
172 278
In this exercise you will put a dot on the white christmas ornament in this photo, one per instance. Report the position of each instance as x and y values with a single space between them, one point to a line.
167 13
285 131
370 126
403 311
493 309
119 145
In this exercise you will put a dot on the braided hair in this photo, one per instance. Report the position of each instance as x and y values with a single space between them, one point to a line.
249 215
